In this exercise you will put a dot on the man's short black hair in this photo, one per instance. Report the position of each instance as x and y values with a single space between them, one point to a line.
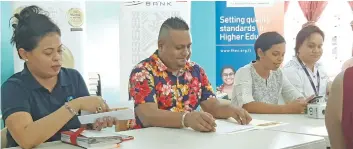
175 23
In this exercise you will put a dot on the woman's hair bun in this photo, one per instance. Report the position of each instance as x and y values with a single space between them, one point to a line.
17 16
30 25
25 14
30 11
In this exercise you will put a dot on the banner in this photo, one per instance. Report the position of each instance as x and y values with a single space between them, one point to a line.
70 18
237 29
139 24
1 57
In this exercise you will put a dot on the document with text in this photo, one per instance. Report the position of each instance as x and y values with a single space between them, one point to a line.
123 114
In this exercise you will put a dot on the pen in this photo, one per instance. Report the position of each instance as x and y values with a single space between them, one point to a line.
117 109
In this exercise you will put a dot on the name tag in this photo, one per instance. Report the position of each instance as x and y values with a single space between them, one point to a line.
69 98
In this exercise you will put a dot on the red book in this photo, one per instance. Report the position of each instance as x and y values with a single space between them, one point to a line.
76 138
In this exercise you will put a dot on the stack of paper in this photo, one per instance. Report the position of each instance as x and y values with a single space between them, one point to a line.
231 126
226 126
124 114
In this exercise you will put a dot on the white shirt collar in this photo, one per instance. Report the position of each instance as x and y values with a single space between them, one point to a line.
295 59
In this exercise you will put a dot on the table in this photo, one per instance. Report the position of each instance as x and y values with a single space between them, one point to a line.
298 123
307 130
173 138
299 119
152 138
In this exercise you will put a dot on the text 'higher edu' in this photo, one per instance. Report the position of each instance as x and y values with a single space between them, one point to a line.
231 36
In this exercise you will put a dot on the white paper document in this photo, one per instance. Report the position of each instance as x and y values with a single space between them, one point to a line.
226 126
125 114
231 126
263 124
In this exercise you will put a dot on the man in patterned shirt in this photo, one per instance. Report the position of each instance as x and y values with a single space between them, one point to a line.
167 88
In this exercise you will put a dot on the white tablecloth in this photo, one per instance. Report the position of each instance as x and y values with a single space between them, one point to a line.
164 138
298 123
298 119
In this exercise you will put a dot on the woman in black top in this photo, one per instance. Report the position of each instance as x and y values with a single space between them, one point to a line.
44 98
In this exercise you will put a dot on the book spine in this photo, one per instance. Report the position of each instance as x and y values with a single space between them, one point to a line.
82 142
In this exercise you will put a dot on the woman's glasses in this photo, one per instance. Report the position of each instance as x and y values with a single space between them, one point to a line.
228 74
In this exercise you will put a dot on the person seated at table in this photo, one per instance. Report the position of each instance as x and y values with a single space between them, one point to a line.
44 98
304 71
261 84
225 90
339 111
167 88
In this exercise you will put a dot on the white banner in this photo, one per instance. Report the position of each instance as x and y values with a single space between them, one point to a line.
139 24
70 18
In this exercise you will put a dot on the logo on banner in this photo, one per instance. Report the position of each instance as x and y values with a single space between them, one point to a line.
247 3
133 3
75 19
153 3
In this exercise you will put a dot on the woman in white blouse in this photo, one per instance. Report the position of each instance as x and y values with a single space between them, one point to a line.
261 84
303 71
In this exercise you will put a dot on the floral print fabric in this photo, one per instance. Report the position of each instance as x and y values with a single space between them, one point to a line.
150 82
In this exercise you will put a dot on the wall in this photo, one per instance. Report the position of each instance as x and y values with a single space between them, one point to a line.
102 37
203 31
0 47
102 45
6 53
7 67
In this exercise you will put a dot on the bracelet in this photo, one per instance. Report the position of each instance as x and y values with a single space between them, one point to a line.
72 111
183 119
89 126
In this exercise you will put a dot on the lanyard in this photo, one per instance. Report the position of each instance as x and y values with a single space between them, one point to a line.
316 89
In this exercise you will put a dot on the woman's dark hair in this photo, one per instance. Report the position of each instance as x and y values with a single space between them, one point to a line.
305 33
266 40
31 25
227 67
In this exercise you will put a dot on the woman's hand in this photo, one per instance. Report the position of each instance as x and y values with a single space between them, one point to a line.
295 107
93 104
104 122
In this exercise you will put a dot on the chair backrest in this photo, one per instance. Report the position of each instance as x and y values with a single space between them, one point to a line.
94 84
3 138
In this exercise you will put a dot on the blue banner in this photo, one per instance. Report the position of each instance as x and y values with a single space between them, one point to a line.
236 33
237 29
